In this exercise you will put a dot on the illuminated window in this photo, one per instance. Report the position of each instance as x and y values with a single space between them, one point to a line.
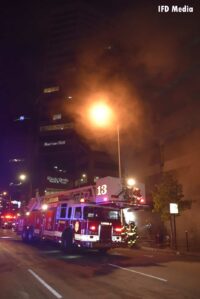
51 89
57 116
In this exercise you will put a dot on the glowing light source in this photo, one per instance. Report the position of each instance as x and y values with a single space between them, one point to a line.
131 182
101 114
142 201
44 207
93 227
22 177
22 118
118 229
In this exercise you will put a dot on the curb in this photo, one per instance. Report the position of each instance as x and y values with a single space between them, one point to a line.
171 251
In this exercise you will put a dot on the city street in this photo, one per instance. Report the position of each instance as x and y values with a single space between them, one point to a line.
44 271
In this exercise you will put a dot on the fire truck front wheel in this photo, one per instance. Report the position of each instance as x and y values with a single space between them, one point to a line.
24 235
30 235
67 240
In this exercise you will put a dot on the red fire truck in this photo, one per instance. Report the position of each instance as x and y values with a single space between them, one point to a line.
86 217
72 222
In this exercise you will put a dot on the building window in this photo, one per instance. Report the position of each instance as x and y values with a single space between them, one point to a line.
57 116
51 89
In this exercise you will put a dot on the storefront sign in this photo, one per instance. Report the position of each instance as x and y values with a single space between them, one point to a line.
55 180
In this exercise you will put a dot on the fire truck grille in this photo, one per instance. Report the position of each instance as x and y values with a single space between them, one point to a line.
105 234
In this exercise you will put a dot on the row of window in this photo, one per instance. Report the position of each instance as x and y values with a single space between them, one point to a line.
87 212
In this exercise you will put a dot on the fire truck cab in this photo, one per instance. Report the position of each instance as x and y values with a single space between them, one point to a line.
84 225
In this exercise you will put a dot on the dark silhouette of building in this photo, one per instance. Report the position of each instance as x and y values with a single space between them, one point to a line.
64 158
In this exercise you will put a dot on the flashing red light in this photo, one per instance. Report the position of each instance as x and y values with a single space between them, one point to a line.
118 229
8 216
142 201
105 199
93 227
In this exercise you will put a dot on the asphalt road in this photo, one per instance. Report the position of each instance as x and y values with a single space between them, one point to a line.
42 271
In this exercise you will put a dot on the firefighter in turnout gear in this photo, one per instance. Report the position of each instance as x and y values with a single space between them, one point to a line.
130 234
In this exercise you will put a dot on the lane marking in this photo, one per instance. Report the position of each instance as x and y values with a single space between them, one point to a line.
141 273
56 294
51 251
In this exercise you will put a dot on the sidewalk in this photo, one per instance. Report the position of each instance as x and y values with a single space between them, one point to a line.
166 249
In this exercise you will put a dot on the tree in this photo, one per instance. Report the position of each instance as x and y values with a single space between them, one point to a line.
169 190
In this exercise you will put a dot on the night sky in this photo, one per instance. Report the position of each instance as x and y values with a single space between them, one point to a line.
157 53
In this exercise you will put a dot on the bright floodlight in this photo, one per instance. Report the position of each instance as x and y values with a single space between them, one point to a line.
44 207
100 114
22 177
131 182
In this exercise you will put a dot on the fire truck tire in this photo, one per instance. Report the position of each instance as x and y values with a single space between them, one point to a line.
30 235
67 243
24 235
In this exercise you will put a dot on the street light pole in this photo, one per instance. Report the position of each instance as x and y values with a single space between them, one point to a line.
24 178
102 115
119 152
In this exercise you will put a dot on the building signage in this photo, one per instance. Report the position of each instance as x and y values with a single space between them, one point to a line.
54 143
56 127
55 180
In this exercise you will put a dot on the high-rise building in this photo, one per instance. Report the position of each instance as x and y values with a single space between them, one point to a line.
64 159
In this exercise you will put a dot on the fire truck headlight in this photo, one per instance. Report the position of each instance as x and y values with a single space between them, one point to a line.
44 207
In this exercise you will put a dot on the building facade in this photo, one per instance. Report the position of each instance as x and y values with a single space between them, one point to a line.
174 148
64 158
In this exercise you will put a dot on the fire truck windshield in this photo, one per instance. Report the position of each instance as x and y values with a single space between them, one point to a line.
101 213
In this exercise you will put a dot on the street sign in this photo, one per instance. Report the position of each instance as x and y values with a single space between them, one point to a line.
173 208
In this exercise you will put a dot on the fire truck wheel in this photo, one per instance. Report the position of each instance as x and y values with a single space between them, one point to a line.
24 235
30 235
67 240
